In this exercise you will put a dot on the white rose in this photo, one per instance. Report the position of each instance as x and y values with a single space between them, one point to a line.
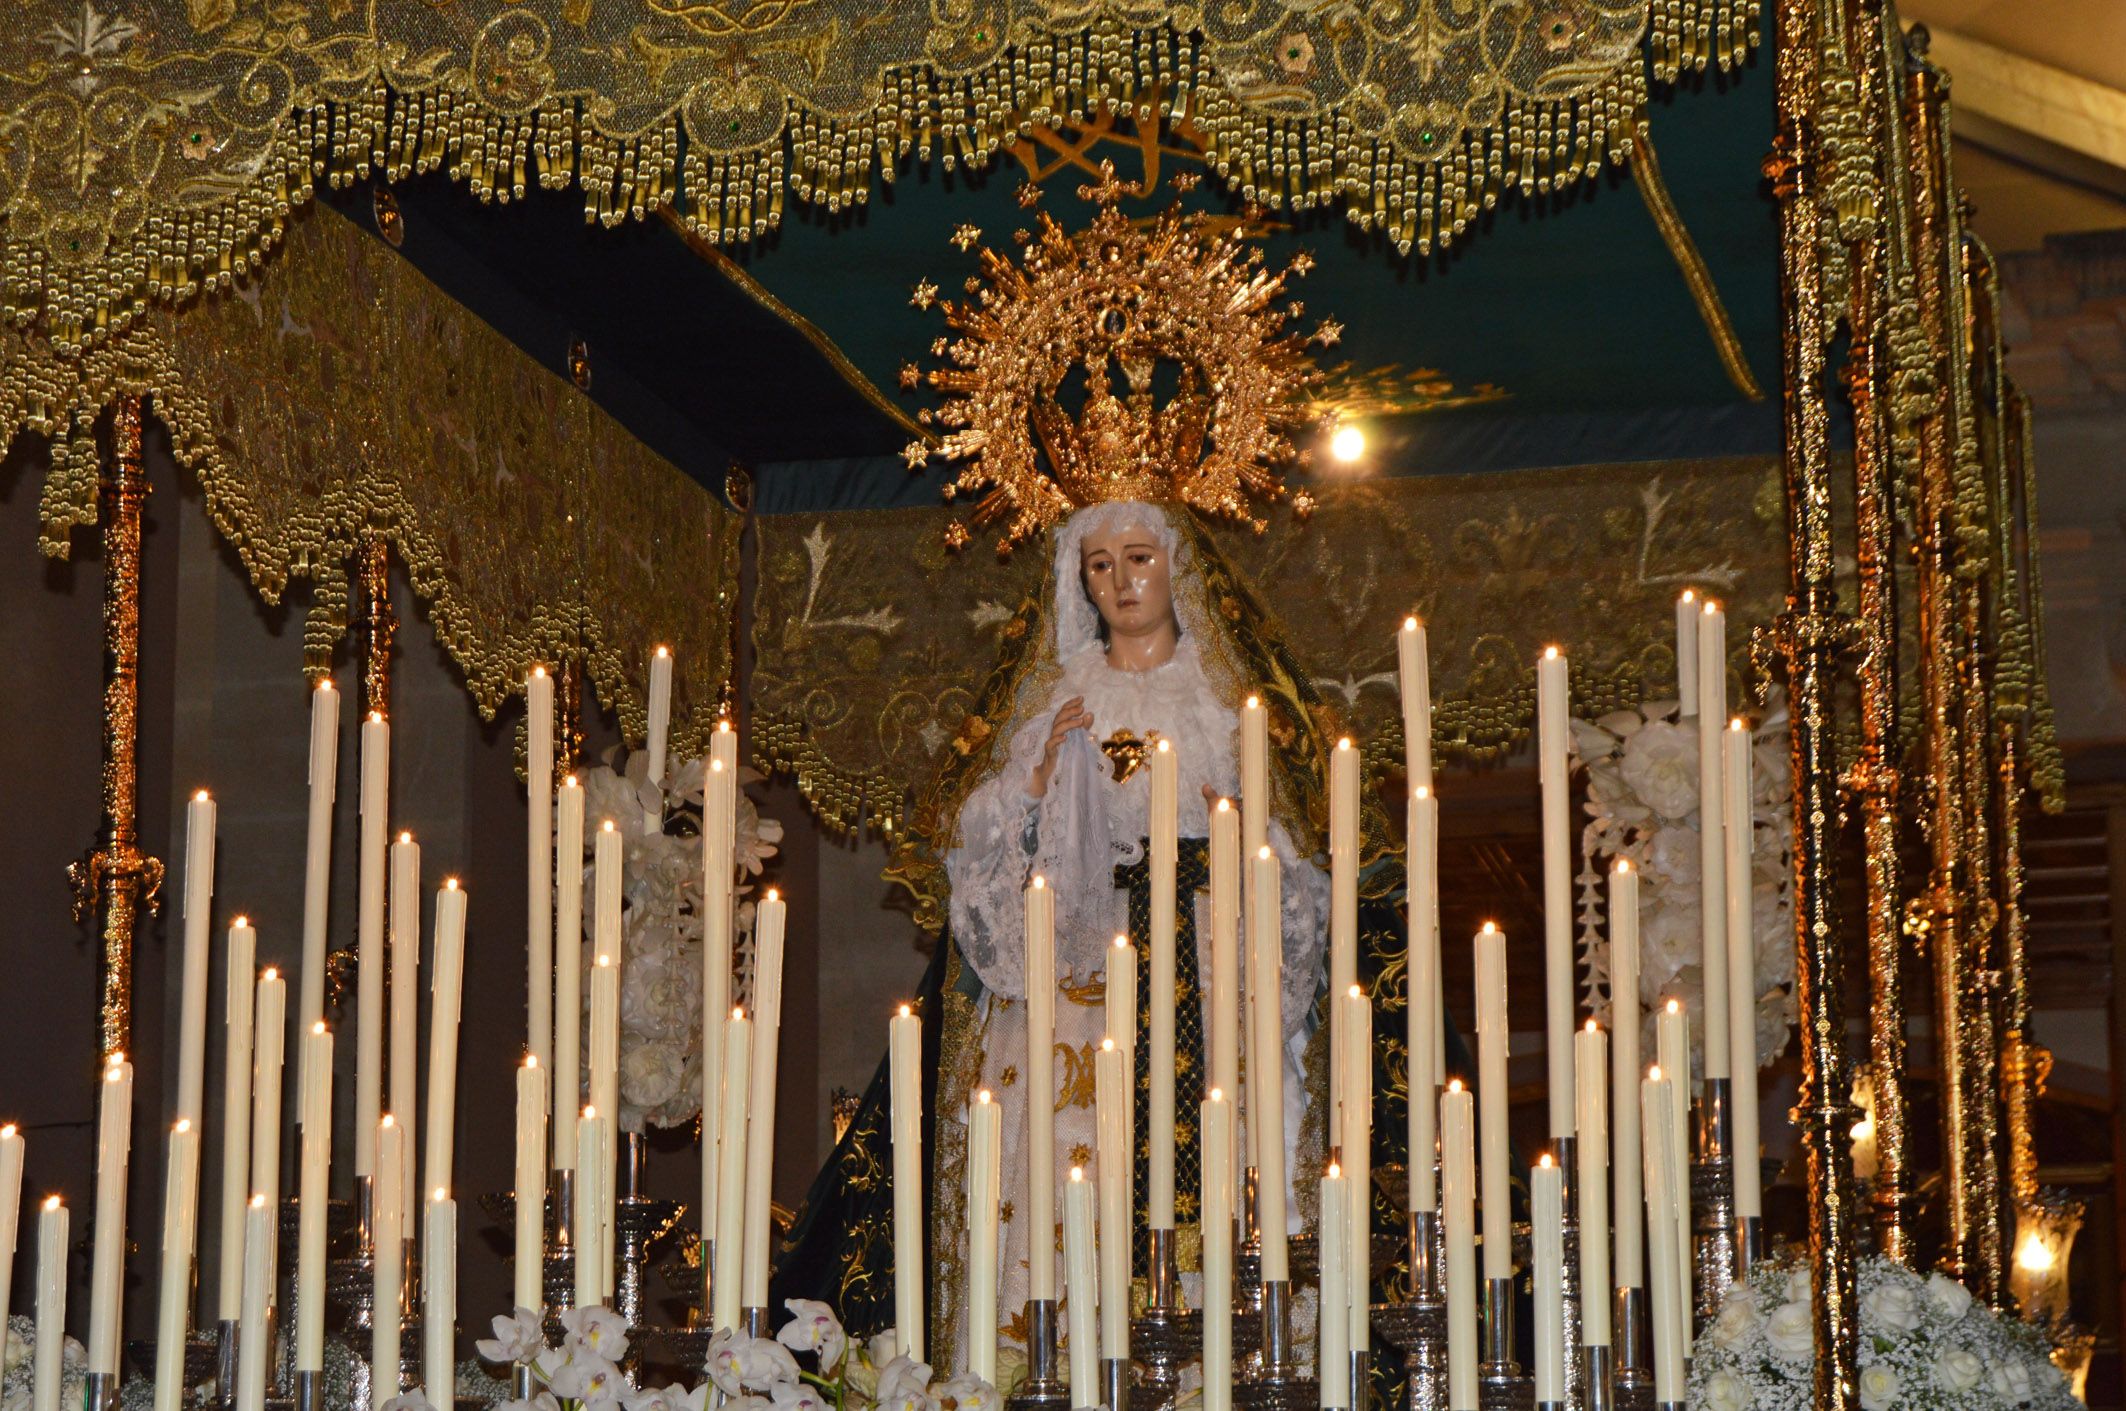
1672 858
1878 1388
651 1073
1737 1317
1661 765
1950 1298
660 996
1798 1289
1957 1371
1670 942
2011 1380
1724 1391
1891 1307
1791 1332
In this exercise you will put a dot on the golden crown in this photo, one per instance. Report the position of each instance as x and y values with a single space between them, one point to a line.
1173 294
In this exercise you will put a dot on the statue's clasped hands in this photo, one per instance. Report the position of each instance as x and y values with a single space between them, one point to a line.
1071 715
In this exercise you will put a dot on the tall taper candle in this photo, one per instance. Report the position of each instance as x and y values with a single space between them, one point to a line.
1343 894
529 1264
590 1170
1554 730
173 1312
236 1101
1670 1309
114 1146
1495 1170
729 1230
11 1210
1546 1203
1332 1336
768 925
1121 1022
51 1305
258 1295
403 1025
1672 1053
446 996
1414 676
1742 974
1357 1144
1457 1161
539 866
1624 1074
1422 1023
719 805
270 1009
1255 809
984 1195
660 712
904 1057
1590 1053
605 1035
1214 1128
1116 1239
439 1285
567 1094
1712 839
608 876
1164 836
386 1271
1082 1289
1687 654
1266 1063
317 847
369 945
314 1193
198 921
1224 1055
1041 1081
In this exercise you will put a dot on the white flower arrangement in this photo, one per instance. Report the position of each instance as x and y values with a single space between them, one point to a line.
1642 804
1925 1345
660 976
750 1373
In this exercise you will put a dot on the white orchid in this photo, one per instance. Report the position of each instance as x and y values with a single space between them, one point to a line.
814 1328
739 1362
966 1392
596 1330
409 1401
518 1338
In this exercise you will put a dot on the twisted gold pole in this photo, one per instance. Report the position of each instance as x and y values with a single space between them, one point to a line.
568 737
116 878
377 622
1809 632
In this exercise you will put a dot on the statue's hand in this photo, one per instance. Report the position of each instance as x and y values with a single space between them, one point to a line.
1071 715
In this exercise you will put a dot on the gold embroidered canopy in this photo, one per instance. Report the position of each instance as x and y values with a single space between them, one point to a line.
156 147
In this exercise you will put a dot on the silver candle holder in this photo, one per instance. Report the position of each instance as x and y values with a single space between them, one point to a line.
1712 1198
100 1392
1114 1383
1043 1389
1501 1385
1164 1338
1279 1383
1566 1154
1632 1385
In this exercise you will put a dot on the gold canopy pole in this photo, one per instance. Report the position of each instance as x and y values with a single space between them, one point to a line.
117 879
1809 633
377 622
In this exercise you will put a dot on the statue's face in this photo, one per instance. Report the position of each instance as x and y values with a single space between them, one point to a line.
1129 579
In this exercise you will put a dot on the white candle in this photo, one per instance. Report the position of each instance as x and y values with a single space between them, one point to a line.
1214 1131
1111 1118
1657 1102
439 1283
1742 973
729 1216
1121 1020
1224 1037
1590 1053
1457 1158
114 1145
1624 1072
403 1024
1041 1088
51 1305
1712 839
718 828
1672 1053
539 866
252 1346
385 1271
317 848
594 1179
1546 1198
180 1201
1554 729
1082 1293
605 1035
270 1008
1255 809
11 1151
1357 1144
369 946
769 921
529 1263
904 1057
1423 1034
1164 836
313 1194
198 919
1686 658
568 970
660 715
609 868
984 1193
445 999
1266 1063
1343 893
1332 1334
1414 674
236 1101
1491 1054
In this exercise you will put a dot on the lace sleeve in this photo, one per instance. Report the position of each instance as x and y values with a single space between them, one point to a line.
1305 897
989 869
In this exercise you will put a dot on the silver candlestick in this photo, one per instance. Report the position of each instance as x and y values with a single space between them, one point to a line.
1633 1383
310 1391
1279 1383
1164 1337
1114 1383
100 1392
1749 1245
1566 1154
1418 1328
1501 1386
1712 1198
1043 1389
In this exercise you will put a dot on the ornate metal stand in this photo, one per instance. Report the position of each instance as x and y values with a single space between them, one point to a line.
1633 1386
1712 1205
1163 1338
1043 1389
1501 1385
1418 1328
1278 1383
1567 1157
